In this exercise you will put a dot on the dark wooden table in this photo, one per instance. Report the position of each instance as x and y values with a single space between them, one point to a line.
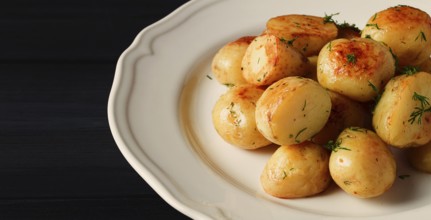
58 159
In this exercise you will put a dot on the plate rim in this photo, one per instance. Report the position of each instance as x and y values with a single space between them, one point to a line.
113 120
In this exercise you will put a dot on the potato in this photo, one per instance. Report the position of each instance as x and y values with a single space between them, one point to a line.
406 30
348 31
344 113
357 68
292 110
402 117
312 74
361 163
420 157
298 170
226 64
307 33
234 117
268 59
425 66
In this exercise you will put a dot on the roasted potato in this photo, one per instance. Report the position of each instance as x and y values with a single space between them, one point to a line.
344 113
306 33
361 163
420 157
268 59
406 30
226 64
292 110
298 170
233 117
357 68
402 117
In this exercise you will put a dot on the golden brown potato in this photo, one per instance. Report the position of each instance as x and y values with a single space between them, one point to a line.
420 157
292 110
295 171
306 33
406 30
402 117
234 117
361 163
357 68
344 113
226 64
268 59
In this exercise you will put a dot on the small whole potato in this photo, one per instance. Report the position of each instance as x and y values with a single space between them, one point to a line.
292 110
344 113
357 68
420 157
402 117
361 163
226 63
306 33
405 29
268 59
295 171
233 117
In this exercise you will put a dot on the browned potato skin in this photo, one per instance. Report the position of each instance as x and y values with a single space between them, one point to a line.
268 59
226 64
308 33
363 165
296 171
233 117
392 112
372 63
344 113
406 30
420 157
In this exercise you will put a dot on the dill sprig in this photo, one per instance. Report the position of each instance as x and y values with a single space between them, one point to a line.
329 19
419 111
410 70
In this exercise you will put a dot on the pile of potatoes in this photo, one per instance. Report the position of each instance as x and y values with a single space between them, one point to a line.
333 97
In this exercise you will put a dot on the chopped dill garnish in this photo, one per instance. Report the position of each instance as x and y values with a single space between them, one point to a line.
410 70
305 105
299 133
421 35
373 25
329 19
419 111
351 58
335 146
288 42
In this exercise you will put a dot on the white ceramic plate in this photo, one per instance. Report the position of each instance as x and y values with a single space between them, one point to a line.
160 116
